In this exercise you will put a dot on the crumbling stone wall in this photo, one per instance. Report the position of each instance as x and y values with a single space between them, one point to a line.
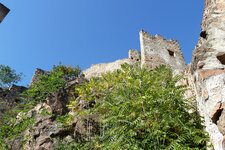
208 69
134 55
156 51
99 69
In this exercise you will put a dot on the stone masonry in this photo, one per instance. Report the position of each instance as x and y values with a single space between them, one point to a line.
155 51
208 70
99 69
205 75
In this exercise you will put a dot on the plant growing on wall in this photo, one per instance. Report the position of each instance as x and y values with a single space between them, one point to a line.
51 82
141 109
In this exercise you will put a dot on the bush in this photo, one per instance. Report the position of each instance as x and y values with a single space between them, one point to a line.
56 79
10 128
51 82
141 109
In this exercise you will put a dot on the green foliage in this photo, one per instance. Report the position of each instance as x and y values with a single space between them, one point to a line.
9 128
77 146
65 120
57 78
45 112
52 81
8 76
141 109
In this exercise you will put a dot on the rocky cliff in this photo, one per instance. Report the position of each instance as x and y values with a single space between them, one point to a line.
207 67
9 98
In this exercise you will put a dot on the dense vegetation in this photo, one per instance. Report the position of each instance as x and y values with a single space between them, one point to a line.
48 83
135 109
51 82
140 109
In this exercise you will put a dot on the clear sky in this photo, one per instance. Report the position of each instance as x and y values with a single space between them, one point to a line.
42 33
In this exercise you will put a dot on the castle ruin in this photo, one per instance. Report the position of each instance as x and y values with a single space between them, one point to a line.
205 75
155 51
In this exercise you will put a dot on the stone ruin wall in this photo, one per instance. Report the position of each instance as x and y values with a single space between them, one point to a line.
205 74
208 70
156 51
98 69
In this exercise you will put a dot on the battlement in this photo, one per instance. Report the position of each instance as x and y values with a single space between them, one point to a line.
158 37
156 51
134 55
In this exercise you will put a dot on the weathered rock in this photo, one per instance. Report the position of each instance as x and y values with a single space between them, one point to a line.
221 121
207 67
38 72
58 101
10 97
15 89
46 131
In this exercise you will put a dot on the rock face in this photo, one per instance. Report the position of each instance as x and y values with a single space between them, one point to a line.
9 98
46 131
38 72
208 70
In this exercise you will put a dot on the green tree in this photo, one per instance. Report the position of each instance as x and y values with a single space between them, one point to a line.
141 109
8 76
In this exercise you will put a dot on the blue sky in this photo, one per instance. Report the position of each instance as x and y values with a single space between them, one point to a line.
40 34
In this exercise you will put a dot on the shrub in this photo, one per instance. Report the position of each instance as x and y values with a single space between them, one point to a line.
56 79
65 120
10 128
141 109
51 82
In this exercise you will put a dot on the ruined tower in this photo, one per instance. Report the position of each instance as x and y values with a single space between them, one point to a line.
208 69
156 51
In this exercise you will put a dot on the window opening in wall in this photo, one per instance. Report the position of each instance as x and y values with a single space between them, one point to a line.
171 53
221 58
203 34
217 115
200 66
